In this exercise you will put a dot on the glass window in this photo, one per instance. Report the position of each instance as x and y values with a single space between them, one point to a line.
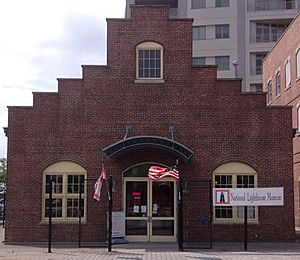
269 96
197 4
298 117
230 213
199 33
298 63
199 61
222 3
269 32
256 87
288 74
266 5
222 31
259 59
149 63
222 62
65 193
278 84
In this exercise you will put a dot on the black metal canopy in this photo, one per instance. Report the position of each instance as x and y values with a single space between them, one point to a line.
148 142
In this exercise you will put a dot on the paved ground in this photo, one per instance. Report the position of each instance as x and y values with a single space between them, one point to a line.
138 251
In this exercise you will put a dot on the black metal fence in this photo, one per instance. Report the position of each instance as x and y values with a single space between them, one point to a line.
195 215
83 183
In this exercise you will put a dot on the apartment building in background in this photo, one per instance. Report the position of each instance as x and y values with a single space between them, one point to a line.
234 34
281 79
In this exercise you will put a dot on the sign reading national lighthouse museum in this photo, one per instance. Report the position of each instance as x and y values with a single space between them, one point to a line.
248 197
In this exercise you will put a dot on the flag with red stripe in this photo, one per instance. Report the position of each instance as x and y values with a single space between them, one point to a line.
156 173
99 183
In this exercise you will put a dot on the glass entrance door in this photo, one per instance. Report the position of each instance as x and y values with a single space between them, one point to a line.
150 210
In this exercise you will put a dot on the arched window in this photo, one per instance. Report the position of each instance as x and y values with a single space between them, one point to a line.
65 177
149 61
234 175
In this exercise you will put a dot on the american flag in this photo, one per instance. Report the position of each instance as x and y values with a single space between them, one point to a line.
156 173
98 184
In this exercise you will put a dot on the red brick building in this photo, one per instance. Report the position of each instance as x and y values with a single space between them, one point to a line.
147 106
281 69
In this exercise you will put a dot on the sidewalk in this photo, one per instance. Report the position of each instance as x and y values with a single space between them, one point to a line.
138 251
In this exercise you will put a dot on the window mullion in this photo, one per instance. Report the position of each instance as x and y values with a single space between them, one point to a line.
64 199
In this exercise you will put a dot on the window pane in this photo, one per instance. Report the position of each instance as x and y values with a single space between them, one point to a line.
250 212
223 212
73 208
198 4
256 87
222 62
223 181
149 63
245 181
258 62
298 113
298 63
278 84
152 54
199 33
56 208
222 31
57 184
199 61
74 183
287 74
222 3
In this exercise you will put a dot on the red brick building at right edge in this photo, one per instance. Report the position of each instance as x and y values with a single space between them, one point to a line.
281 79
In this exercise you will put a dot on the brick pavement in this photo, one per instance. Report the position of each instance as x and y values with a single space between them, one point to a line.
139 251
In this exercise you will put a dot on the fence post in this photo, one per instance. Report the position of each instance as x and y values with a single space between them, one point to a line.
245 222
180 216
50 217
210 212
79 211
3 212
110 213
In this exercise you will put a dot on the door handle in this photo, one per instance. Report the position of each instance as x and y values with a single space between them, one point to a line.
149 219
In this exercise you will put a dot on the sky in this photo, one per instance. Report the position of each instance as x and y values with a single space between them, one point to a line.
42 40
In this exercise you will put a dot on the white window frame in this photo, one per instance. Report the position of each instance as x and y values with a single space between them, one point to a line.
62 169
298 118
278 83
149 46
269 95
288 78
298 63
235 169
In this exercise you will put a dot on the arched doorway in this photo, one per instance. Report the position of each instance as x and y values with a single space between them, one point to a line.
150 206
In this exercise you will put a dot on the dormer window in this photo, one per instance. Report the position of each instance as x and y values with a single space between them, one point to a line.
149 61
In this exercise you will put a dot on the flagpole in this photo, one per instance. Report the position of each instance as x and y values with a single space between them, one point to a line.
110 213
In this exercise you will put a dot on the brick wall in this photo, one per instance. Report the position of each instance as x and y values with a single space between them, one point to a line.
286 48
211 117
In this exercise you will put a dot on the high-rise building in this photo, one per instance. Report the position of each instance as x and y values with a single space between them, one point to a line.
234 34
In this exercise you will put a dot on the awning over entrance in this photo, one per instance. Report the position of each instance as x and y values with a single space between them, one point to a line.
145 142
